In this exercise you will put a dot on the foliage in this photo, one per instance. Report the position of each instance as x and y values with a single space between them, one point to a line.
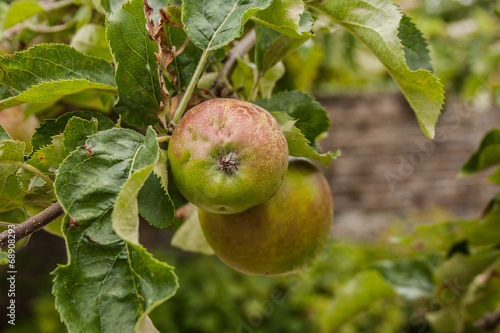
130 71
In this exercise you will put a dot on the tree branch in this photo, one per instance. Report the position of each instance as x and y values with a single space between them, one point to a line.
489 322
32 224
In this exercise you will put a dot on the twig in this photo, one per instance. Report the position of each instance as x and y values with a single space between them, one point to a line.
489 322
32 224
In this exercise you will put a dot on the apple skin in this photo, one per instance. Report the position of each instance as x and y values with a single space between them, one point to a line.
228 155
281 236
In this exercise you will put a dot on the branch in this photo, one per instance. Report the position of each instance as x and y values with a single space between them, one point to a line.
32 224
489 322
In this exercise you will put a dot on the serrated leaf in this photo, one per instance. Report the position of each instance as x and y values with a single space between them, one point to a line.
485 156
3 134
110 6
358 294
154 202
91 39
19 11
77 131
116 282
298 145
50 127
48 71
376 23
288 17
271 46
410 278
415 45
139 91
11 195
125 216
268 81
311 117
189 237
214 24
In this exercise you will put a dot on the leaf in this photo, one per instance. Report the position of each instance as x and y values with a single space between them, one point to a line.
46 72
271 47
268 81
11 195
415 45
214 24
376 23
111 6
154 200
243 77
91 39
358 294
139 92
288 17
189 237
125 216
116 283
77 131
298 145
487 155
312 119
3 258
3 134
495 176
19 11
50 127
410 278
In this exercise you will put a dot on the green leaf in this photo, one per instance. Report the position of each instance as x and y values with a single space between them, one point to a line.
154 200
4 135
214 24
410 278
487 155
495 176
125 216
376 23
3 258
19 11
11 195
271 47
50 127
49 71
298 145
268 81
243 77
117 283
358 294
288 17
189 237
415 45
91 39
312 118
77 131
111 6
139 91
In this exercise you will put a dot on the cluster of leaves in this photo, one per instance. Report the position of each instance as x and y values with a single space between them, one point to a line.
104 173
450 280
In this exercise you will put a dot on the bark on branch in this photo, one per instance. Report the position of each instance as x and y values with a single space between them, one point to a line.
32 224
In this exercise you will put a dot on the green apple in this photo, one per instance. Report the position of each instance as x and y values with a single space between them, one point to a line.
283 235
228 155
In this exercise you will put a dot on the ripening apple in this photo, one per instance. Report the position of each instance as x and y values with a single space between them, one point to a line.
283 235
228 155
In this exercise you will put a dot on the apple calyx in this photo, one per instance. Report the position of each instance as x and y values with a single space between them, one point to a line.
228 163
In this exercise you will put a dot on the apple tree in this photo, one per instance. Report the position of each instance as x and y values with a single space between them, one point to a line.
118 85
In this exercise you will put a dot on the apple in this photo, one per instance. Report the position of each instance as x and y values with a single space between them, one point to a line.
228 155
283 235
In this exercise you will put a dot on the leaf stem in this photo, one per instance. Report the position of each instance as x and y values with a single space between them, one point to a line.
164 138
32 224
255 88
30 169
192 84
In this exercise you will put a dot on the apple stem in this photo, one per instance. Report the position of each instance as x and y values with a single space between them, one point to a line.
192 84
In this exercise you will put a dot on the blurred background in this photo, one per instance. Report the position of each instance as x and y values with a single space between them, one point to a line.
389 179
